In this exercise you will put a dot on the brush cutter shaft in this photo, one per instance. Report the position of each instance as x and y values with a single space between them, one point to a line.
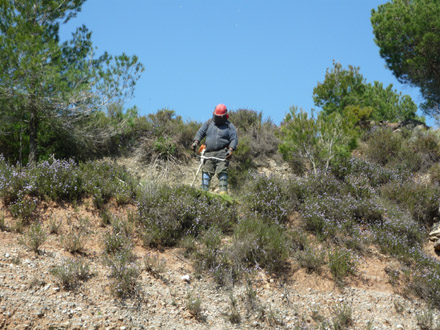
202 158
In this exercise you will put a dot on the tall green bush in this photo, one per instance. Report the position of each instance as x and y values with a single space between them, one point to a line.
319 141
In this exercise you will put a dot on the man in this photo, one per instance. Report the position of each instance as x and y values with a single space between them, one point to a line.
221 141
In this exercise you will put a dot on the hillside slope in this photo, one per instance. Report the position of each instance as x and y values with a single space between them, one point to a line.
170 294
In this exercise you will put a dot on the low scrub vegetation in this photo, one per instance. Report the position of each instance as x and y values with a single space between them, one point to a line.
324 218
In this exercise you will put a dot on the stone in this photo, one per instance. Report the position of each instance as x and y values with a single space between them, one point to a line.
437 245
186 278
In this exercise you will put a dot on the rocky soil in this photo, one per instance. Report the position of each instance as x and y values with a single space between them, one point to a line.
31 297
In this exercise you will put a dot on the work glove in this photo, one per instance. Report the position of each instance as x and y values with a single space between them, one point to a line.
229 154
194 145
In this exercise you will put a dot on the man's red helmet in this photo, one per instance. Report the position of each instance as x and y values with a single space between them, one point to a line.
221 110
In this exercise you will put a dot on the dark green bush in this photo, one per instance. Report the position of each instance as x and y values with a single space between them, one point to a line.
61 180
342 264
104 180
268 198
260 133
383 146
421 200
404 150
257 244
167 138
257 141
169 213
215 259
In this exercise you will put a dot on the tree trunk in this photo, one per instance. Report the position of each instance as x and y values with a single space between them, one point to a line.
33 131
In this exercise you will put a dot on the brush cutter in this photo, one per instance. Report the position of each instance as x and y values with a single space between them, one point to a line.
202 150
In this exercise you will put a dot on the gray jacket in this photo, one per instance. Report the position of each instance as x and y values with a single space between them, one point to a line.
218 137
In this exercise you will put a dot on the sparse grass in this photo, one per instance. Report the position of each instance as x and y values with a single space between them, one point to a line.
188 243
71 273
268 315
73 241
194 306
250 297
234 315
120 237
34 237
54 225
342 317
3 226
311 259
154 265
124 272
342 264
105 216
426 321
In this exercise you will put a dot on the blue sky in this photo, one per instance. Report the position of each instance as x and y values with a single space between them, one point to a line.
254 54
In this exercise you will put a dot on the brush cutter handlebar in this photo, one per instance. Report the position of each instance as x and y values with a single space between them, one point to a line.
215 158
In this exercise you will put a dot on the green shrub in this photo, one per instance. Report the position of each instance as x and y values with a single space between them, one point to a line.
167 138
34 237
434 174
419 199
424 280
71 272
73 241
383 146
104 180
376 175
260 134
120 237
311 259
398 235
62 180
342 264
320 142
167 214
154 265
194 306
23 208
267 198
211 257
3 226
57 180
332 217
124 273
257 142
405 150
257 243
